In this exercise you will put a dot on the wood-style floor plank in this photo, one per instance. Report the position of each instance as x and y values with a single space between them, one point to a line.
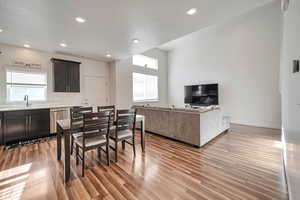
244 163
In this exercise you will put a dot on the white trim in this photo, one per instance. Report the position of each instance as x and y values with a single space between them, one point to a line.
145 101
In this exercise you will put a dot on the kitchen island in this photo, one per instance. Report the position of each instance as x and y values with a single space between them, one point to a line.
192 126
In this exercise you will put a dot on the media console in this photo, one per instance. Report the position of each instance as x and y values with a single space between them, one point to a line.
193 126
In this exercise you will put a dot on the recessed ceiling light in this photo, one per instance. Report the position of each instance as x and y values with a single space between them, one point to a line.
191 11
1 30
63 45
80 19
135 41
26 45
108 55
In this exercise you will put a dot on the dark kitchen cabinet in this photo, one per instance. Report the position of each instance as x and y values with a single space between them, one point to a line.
15 126
66 75
1 128
38 123
25 125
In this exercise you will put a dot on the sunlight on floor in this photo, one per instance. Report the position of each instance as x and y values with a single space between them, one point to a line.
13 192
14 171
13 182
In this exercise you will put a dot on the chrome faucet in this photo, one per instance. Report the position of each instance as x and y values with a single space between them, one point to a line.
26 99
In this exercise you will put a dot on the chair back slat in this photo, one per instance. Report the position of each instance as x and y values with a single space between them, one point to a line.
95 120
86 109
126 112
77 112
96 128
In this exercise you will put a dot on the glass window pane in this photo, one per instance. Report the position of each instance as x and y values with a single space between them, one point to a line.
145 87
26 77
138 87
138 60
17 92
21 83
153 64
151 87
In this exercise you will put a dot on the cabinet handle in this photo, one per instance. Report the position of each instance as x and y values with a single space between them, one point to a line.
27 129
29 126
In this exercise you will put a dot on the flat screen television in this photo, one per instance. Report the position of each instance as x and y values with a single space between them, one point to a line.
201 95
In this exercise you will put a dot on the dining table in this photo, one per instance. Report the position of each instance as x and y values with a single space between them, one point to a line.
64 132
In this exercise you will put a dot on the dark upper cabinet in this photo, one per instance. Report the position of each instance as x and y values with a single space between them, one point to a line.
74 72
60 76
25 125
66 75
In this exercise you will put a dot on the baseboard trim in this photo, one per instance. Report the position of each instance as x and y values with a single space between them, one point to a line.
157 134
284 168
175 140
255 126
258 124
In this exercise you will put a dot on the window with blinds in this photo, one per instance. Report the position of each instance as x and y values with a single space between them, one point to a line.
21 83
145 87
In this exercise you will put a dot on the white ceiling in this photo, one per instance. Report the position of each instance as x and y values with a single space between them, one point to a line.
111 24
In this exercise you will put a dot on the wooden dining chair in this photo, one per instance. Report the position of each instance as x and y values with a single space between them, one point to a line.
112 110
95 135
124 130
76 117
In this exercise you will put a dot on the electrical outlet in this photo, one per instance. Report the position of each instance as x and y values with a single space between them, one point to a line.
296 67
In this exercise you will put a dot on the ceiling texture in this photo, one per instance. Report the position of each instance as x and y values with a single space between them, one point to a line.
110 25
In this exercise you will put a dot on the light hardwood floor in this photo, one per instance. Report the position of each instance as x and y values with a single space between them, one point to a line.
244 163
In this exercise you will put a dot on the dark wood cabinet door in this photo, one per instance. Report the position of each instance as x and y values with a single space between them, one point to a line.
66 75
1 129
15 126
60 70
74 77
38 123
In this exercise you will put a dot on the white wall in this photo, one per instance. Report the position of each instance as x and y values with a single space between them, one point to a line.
290 84
242 55
122 71
87 68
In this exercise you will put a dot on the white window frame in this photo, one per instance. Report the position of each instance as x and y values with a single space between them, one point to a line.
145 99
140 56
25 84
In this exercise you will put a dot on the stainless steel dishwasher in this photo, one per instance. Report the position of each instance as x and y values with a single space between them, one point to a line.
58 114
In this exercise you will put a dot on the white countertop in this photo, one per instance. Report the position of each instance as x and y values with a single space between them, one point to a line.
202 109
33 107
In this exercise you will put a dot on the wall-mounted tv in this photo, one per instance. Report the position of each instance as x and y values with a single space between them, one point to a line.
201 95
